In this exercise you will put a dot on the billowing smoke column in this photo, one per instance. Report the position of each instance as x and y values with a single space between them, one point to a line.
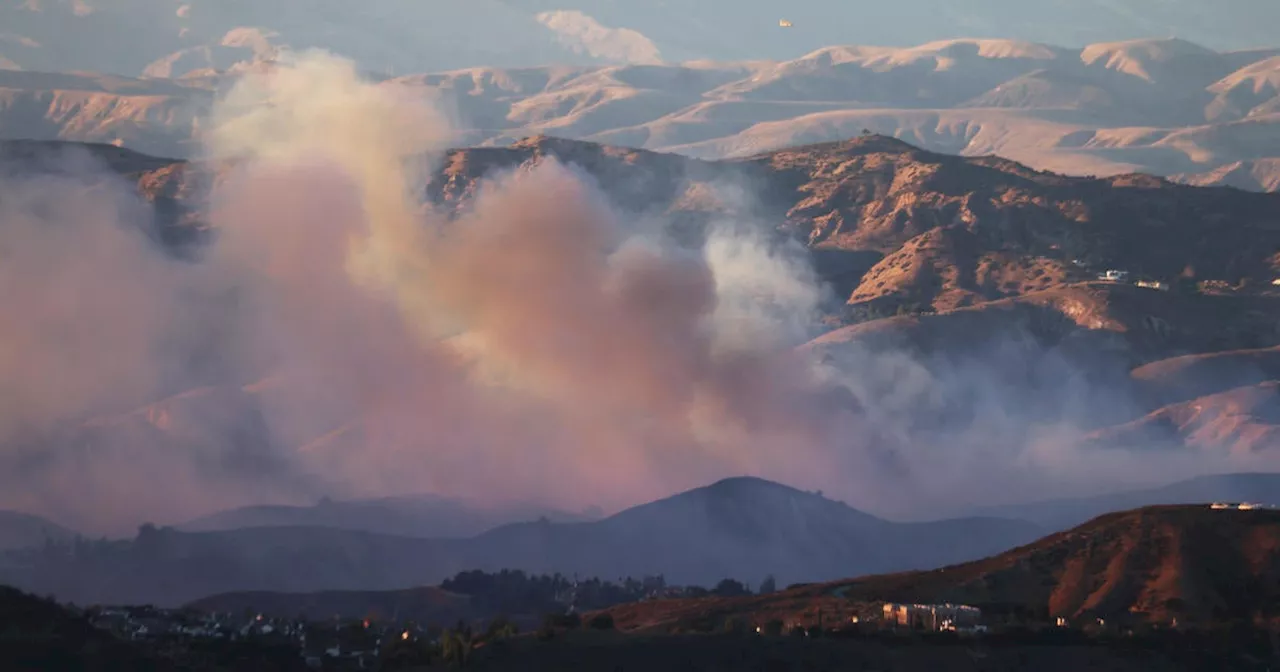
537 346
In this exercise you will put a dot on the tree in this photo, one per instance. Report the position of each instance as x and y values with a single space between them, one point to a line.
501 628
730 588
565 621
456 647
603 621
407 655
769 585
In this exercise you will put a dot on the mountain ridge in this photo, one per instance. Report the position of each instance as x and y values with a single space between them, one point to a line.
1204 117
167 567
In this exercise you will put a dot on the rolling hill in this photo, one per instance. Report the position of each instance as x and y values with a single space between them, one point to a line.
43 635
1061 514
1163 106
1244 418
40 634
20 530
1200 566
738 527
422 516
1155 564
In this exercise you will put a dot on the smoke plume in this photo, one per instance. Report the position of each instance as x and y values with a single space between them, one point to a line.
538 346
341 336
535 345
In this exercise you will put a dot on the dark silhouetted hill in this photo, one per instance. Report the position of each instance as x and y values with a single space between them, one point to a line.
739 528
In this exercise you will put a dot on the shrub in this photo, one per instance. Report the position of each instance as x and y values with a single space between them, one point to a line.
501 628
564 621
601 622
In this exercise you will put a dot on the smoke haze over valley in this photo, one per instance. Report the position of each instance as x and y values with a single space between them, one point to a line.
536 341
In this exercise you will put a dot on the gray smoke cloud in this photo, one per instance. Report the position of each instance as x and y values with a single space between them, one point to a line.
343 337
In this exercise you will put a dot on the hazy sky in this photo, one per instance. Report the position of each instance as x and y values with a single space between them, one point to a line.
403 36
749 28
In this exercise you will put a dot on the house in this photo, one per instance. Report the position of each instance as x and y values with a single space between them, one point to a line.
1114 275
1242 506
1153 284
935 617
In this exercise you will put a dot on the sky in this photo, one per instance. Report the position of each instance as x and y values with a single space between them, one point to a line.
404 36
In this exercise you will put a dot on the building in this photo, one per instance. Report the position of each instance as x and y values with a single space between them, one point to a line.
1114 275
1153 284
1241 506
783 23
936 617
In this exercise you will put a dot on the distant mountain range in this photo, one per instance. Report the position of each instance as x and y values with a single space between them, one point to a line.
1163 106
423 516
20 530
740 527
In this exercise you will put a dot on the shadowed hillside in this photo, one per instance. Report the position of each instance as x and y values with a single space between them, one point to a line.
745 528
40 635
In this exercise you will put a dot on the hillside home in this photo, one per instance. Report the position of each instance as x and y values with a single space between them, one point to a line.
1242 506
1153 284
934 617
1114 275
